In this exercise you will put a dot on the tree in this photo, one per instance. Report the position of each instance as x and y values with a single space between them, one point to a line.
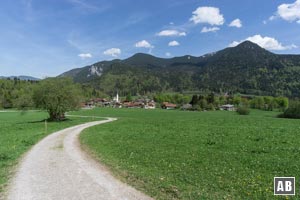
268 103
237 100
22 98
23 102
282 102
194 100
245 102
211 98
258 102
222 100
1 101
128 97
57 96
293 111
203 103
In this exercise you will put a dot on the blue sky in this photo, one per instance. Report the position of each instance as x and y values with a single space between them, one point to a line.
47 37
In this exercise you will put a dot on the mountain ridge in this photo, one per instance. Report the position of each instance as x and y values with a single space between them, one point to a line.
21 77
246 68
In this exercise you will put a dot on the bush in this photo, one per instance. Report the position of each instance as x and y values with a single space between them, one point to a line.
196 108
293 111
243 111
210 107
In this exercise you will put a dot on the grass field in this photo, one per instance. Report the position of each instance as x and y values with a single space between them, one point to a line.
197 155
18 132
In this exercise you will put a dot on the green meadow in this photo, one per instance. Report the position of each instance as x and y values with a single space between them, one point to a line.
174 154
19 131
197 155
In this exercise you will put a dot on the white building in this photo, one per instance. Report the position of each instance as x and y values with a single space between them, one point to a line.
116 98
227 107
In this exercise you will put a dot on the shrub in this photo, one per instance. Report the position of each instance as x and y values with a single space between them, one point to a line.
293 111
243 111
196 108
210 107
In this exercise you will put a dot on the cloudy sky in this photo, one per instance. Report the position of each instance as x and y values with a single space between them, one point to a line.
47 37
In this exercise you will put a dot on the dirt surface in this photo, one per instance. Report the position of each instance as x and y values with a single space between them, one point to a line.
57 169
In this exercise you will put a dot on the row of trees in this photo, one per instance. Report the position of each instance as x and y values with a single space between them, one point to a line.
269 103
212 102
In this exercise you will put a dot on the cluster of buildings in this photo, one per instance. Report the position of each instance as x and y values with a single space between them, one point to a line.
139 104
144 103
117 103
97 102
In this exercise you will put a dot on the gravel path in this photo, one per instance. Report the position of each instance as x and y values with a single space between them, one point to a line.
57 169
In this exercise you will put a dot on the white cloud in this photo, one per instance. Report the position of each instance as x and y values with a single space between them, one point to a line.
209 29
236 23
85 55
171 33
273 17
288 12
235 43
210 15
168 54
144 44
173 43
114 52
265 42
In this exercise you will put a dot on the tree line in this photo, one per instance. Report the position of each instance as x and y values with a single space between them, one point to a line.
212 101
59 95
16 93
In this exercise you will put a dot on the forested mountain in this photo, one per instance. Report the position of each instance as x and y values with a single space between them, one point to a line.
246 68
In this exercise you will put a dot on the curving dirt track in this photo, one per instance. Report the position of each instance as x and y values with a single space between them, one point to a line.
57 169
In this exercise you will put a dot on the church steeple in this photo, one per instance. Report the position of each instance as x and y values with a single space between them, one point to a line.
117 98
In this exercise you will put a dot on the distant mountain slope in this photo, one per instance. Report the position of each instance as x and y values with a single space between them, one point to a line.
29 78
246 68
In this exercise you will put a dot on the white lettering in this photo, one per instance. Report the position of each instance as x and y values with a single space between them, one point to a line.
280 187
288 186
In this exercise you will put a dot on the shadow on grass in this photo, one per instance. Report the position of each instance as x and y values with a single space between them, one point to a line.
51 121
47 120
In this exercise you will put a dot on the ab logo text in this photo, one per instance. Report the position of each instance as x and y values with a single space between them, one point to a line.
284 186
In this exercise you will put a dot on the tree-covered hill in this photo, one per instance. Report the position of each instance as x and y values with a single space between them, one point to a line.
246 68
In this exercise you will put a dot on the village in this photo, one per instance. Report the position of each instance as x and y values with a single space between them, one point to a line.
143 103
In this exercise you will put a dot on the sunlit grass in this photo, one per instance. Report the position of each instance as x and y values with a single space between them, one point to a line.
197 155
